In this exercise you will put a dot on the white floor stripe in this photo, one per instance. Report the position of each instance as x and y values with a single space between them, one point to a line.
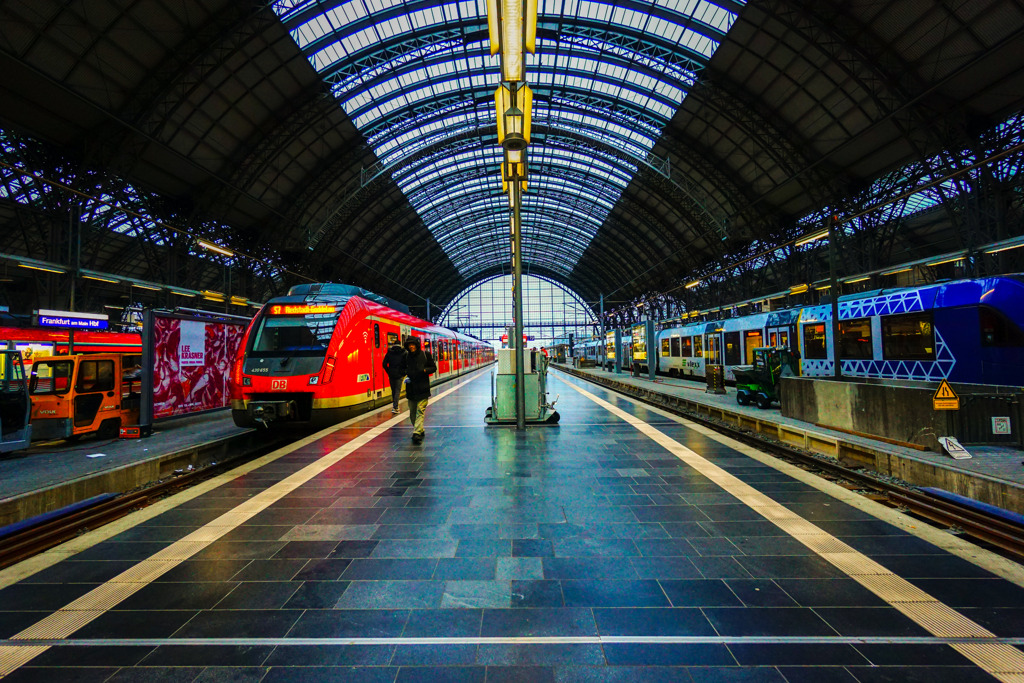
1003 661
962 548
95 603
512 640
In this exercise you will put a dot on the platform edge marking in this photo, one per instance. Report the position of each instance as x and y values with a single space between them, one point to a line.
1004 662
986 559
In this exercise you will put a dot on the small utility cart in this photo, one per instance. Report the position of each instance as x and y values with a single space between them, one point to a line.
759 383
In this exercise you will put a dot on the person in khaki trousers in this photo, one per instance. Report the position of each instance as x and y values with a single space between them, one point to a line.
417 366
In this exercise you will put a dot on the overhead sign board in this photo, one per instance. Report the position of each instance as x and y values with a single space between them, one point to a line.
72 320
945 398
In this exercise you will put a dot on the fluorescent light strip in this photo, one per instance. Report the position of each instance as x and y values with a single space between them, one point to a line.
205 244
45 269
996 250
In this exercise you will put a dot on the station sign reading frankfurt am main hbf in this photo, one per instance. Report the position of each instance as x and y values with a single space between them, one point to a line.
72 320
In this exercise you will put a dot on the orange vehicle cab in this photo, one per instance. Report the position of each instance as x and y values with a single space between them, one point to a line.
84 394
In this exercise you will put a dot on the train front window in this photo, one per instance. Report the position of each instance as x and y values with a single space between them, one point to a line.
908 337
997 329
294 335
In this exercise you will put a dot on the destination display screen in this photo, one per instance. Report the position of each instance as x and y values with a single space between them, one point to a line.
301 309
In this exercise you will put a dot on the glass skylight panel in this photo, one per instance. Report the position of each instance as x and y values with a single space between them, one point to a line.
608 98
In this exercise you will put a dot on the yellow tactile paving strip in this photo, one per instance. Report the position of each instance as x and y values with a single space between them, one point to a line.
1004 662
96 602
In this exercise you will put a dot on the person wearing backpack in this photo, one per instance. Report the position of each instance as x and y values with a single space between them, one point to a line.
417 366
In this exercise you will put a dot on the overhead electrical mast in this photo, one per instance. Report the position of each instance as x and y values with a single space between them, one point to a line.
512 25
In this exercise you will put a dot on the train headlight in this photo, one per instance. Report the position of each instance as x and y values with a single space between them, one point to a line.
314 379
247 381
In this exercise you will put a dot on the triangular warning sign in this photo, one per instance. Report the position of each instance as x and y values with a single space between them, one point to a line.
945 391
945 398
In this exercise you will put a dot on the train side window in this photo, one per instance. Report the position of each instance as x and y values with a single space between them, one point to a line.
997 329
698 347
392 338
686 347
376 336
855 339
95 376
752 339
677 347
908 337
665 348
814 342
732 348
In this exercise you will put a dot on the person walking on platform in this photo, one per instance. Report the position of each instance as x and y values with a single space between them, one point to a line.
417 366
393 367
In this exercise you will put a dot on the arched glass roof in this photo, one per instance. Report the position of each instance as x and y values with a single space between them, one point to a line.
550 310
416 77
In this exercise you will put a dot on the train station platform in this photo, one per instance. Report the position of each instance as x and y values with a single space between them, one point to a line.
55 474
624 544
993 475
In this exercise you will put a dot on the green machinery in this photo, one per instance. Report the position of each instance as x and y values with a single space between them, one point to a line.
503 405
759 383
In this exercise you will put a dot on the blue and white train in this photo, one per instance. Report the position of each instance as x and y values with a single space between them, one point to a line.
964 331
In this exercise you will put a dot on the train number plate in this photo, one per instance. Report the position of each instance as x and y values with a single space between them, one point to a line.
279 385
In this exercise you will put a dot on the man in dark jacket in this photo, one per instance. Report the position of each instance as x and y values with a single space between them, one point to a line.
393 367
417 366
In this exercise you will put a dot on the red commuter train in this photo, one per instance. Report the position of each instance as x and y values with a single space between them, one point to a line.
314 356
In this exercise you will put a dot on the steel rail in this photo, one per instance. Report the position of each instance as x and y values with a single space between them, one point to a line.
41 537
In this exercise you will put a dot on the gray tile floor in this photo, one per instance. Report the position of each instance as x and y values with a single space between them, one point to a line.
582 530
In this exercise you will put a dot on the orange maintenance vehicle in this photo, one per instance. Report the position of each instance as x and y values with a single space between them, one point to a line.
84 394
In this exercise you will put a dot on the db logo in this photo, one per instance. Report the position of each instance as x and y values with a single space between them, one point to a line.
278 385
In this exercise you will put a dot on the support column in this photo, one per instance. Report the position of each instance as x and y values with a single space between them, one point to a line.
618 351
837 370
653 351
517 295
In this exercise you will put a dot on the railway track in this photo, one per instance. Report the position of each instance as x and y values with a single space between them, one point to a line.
58 528
990 529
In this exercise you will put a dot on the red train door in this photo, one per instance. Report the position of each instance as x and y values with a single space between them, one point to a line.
377 361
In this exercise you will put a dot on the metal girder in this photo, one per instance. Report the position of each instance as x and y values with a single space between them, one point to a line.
264 147
576 83
726 99
293 20
875 65
168 87
435 54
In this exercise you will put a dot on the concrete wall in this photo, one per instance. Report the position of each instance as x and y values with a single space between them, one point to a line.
900 411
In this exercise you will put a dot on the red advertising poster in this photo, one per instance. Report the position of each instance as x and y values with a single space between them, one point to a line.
192 364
